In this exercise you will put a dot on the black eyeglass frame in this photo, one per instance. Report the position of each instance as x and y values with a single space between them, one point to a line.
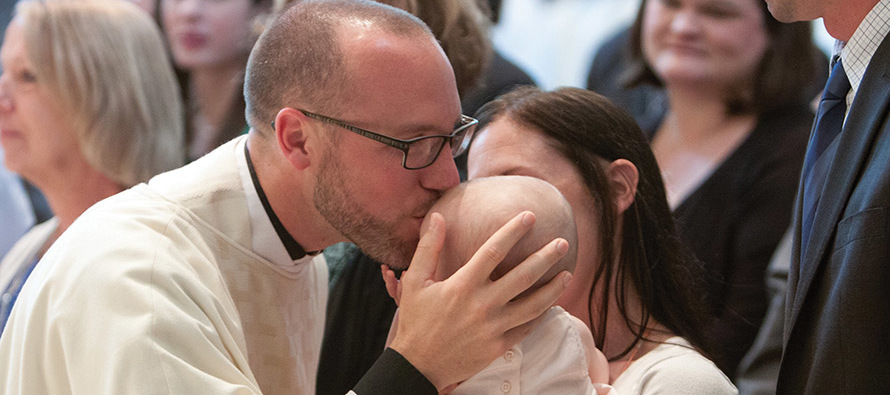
468 126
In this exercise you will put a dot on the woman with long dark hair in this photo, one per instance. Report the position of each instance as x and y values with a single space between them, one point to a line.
635 285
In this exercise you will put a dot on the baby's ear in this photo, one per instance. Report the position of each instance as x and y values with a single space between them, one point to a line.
623 177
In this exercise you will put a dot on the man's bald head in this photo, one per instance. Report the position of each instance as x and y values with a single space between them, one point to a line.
475 209
299 58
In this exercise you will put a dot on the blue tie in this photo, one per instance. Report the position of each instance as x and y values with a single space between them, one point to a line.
829 122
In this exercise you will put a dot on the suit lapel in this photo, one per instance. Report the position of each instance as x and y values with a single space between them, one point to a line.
866 118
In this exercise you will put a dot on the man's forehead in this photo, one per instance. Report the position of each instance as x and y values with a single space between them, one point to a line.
407 80
364 38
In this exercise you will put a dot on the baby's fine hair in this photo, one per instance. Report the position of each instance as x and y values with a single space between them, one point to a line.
476 209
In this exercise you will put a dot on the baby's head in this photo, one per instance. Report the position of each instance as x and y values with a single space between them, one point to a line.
475 209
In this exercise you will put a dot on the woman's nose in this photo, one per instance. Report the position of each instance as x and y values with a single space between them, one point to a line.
188 8
685 23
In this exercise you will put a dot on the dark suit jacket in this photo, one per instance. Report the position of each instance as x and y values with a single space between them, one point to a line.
837 328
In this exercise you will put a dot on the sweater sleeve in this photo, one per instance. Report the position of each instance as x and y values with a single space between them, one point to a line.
393 374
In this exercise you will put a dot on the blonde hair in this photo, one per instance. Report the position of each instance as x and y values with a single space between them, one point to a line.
106 63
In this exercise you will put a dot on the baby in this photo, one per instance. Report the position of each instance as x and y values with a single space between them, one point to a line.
558 356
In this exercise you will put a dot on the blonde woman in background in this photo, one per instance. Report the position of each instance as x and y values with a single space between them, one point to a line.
88 107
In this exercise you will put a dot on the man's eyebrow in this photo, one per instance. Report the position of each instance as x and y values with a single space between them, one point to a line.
418 130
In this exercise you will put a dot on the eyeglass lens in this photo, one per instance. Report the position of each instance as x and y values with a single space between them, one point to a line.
424 152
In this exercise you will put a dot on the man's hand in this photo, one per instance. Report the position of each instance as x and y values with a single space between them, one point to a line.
393 286
450 330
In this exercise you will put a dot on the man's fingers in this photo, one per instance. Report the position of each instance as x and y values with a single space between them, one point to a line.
527 273
495 249
515 335
392 283
449 388
426 257
528 307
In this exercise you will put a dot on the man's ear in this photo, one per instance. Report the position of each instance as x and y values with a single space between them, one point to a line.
623 177
292 137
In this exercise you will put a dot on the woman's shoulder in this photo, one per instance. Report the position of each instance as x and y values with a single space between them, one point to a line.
674 367
25 250
793 121
779 140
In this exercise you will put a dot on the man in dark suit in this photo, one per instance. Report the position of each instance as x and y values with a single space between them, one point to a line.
837 322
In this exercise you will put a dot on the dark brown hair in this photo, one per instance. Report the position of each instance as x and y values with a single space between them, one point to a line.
586 127
234 123
785 77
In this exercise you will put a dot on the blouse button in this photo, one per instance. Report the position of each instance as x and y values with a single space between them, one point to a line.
506 387
509 355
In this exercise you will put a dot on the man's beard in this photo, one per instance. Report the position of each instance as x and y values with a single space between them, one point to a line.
374 236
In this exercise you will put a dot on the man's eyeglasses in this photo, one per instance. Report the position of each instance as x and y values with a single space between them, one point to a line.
418 152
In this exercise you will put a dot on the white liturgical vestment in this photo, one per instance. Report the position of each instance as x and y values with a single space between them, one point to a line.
160 290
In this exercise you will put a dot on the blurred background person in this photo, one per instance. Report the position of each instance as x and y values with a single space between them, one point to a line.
148 6
647 103
89 106
555 40
210 41
21 205
16 214
731 143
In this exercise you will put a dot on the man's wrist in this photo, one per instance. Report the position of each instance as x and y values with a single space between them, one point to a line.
391 374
